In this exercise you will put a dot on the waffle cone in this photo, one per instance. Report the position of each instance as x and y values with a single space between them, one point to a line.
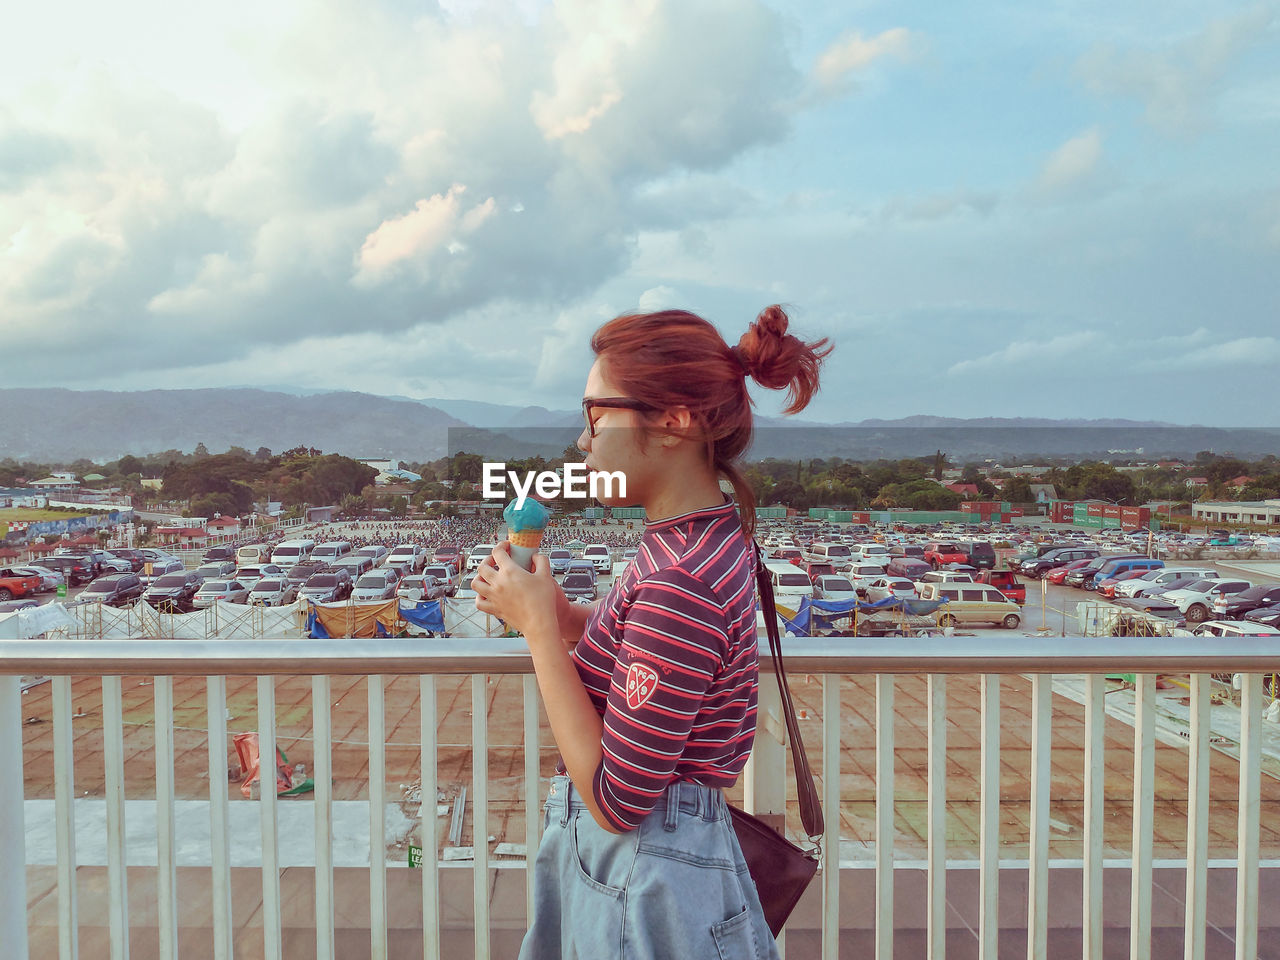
525 538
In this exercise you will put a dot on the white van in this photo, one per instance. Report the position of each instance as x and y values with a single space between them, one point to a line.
253 554
870 553
789 580
289 553
837 554
972 603
331 550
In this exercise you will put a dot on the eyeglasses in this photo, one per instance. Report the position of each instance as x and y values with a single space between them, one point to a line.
618 403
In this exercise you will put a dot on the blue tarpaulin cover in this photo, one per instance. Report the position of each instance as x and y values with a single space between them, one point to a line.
823 613
426 614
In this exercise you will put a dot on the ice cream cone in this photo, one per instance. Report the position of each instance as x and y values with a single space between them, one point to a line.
524 544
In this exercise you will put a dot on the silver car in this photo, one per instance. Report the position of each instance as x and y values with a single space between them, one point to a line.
252 574
420 588
49 579
210 591
376 585
273 592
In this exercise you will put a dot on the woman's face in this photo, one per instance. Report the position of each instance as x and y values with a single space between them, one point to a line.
619 443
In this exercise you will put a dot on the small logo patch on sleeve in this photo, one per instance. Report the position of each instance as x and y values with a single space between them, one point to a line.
642 681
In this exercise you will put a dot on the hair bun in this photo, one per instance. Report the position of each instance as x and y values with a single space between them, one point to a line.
778 360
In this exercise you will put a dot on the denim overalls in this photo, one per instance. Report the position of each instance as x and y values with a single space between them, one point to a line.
676 887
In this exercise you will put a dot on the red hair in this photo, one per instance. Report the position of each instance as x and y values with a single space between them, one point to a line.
674 358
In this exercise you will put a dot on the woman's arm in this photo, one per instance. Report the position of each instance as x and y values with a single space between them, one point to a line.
572 618
531 603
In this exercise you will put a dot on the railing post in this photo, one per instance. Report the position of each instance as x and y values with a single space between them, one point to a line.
13 849
766 793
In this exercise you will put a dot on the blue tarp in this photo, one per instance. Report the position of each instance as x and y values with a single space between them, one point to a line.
426 614
315 629
823 613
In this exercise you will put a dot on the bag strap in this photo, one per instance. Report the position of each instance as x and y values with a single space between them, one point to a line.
810 808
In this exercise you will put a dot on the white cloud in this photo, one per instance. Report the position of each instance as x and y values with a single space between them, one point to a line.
1022 353
1073 162
853 53
1178 81
433 225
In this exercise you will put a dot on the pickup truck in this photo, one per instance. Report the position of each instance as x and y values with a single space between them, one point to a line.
1007 582
13 585
937 553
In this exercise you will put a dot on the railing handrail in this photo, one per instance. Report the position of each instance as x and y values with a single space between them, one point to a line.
1023 654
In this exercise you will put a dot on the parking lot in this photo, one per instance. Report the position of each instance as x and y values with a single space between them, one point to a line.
1048 608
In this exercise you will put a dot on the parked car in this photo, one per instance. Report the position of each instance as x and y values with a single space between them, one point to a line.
159 567
1159 580
376 553
912 550
1057 556
972 603
1268 616
938 552
1234 606
981 554
1059 574
581 566
865 553
331 586
946 576
216 570
15 586
355 565
419 588
115 589
134 558
446 574
376 585
77 570
49 579
273 592
886 587
407 558
1234 628
220 552
559 558
912 568
233 591
449 553
861 574
250 575
173 592
1007 582
1195 600
1107 588
600 555
300 573
476 555
832 587
579 586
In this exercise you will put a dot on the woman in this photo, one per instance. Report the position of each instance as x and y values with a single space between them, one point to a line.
651 692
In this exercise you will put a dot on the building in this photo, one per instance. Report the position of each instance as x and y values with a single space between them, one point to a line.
1245 511
1043 492
224 526
58 483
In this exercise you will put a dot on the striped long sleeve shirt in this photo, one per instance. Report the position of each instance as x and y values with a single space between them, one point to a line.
670 662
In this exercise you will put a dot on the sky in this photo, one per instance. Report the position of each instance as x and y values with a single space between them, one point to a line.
1054 209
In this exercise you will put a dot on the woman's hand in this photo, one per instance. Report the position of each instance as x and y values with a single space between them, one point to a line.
527 601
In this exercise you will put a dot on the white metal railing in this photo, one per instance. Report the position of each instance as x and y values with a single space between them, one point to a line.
765 779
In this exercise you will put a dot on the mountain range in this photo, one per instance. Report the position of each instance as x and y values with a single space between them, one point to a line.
57 425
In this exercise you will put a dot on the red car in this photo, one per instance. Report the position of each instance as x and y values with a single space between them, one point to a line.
938 553
1059 574
1006 581
13 585
791 555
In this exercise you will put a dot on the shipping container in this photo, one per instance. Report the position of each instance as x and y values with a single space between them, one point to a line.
818 513
627 513
593 513
771 513
1097 509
